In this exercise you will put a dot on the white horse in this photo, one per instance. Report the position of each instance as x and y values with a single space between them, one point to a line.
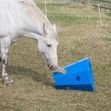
20 18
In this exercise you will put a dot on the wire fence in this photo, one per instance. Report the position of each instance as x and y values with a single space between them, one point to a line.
105 4
99 12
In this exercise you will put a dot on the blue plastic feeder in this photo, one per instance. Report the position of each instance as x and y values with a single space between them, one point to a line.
79 76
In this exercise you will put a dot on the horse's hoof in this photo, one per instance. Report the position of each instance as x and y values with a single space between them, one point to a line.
8 82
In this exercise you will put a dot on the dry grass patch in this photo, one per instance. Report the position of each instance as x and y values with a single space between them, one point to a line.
33 88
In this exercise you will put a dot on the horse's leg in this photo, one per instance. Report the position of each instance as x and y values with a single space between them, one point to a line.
0 53
0 57
5 44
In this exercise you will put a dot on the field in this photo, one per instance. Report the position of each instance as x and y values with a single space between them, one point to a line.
80 35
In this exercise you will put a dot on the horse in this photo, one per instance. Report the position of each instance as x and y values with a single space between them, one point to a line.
22 18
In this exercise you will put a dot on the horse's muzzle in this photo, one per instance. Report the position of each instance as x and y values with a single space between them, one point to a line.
51 68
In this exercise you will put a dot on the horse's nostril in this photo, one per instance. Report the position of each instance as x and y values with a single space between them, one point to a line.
51 67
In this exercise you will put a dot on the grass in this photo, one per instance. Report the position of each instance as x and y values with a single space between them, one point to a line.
33 90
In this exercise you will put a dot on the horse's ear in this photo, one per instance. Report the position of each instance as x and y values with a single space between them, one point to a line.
44 29
54 27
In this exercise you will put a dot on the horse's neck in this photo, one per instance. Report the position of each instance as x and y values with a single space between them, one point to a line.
36 15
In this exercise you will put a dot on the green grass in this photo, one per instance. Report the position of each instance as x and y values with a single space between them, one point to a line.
79 36
65 19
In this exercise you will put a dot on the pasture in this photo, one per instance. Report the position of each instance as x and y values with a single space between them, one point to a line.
80 35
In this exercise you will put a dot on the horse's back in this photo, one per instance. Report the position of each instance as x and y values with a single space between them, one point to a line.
9 16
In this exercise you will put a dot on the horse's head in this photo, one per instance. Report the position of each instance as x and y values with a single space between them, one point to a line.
48 47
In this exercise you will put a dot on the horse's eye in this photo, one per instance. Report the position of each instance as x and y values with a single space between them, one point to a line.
49 45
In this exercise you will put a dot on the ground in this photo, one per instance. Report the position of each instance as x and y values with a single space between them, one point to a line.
80 35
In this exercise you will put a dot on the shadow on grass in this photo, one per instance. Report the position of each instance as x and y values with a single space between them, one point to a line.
36 76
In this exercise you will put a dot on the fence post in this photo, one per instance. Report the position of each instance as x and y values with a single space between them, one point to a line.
45 8
78 3
100 15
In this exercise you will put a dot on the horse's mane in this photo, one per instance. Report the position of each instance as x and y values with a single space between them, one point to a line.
26 3
34 12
